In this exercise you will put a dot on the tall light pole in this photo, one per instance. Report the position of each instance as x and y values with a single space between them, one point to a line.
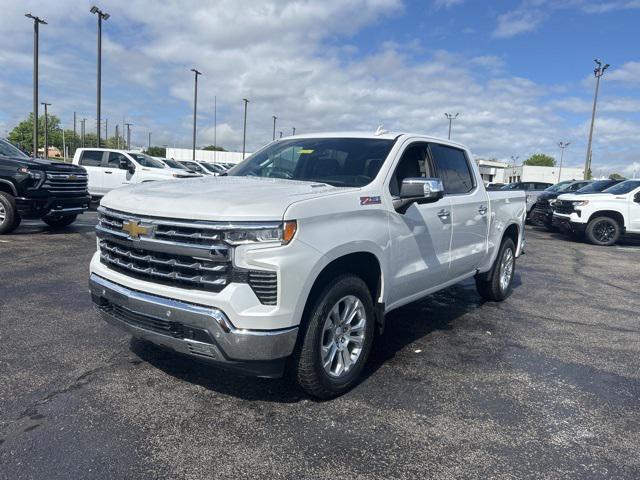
451 117
101 16
562 146
46 130
598 72
294 131
215 127
274 127
74 133
149 147
244 129
128 144
36 33
195 109
83 124
106 130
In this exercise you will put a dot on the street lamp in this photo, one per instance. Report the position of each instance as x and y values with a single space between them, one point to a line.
128 145
83 124
195 108
562 146
274 127
36 33
598 72
451 117
101 16
244 130
46 130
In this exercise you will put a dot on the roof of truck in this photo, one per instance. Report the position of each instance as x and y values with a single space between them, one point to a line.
380 134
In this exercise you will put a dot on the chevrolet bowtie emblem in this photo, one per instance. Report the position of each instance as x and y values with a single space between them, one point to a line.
73 177
134 229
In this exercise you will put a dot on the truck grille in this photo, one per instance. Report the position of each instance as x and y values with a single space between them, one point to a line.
176 253
66 183
563 207
542 206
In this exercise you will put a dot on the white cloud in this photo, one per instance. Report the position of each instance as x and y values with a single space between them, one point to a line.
516 22
628 73
447 3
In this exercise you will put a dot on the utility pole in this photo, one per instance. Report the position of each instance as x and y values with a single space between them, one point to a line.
451 117
127 145
195 109
106 131
101 16
562 146
83 124
280 133
598 72
274 127
46 130
36 34
294 131
149 147
74 132
64 146
244 130
215 127
117 137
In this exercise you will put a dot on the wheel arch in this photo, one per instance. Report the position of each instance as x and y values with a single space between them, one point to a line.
614 214
7 187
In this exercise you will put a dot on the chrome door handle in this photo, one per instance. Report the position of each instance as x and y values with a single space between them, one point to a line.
108 173
443 213
482 210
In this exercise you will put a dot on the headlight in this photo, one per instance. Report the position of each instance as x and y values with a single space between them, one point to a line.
580 203
282 234
35 174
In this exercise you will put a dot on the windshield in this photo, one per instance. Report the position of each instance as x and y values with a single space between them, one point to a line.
8 150
193 166
146 160
513 186
623 187
174 164
342 162
558 186
596 187
212 168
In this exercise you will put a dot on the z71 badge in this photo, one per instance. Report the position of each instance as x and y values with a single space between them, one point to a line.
370 200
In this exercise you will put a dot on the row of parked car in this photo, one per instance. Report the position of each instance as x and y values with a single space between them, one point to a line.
599 210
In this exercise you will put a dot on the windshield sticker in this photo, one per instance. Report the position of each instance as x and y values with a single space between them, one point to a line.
370 200
308 151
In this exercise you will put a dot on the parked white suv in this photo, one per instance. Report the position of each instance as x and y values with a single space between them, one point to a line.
300 251
602 217
108 169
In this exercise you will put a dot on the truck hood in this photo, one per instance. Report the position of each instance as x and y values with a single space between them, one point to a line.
217 198
47 165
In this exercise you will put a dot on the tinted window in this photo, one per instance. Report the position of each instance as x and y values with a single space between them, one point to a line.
114 159
342 162
91 158
173 164
146 160
453 168
8 150
193 166
413 163
598 186
624 187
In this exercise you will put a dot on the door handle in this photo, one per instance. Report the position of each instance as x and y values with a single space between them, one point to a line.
482 210
444 214
108 172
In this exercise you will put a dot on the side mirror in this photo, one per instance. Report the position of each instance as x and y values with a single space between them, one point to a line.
123 164
419 190
636 197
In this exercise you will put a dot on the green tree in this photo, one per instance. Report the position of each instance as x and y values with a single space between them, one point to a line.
214 147
22 134
157 152
540 160
616 176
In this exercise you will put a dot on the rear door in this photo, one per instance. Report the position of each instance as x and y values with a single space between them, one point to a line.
469 208
91 160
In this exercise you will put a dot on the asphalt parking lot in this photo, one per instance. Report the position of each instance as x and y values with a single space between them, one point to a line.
544 385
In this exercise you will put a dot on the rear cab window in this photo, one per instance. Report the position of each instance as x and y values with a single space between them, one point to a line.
91 158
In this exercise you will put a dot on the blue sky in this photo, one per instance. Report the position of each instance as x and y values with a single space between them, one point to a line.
519 72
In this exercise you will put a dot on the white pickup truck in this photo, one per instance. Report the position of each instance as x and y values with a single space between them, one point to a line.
601 217
294 258
109 169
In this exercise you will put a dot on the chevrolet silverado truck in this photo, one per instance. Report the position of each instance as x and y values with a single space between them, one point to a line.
291 260
34 188
542 213
601 217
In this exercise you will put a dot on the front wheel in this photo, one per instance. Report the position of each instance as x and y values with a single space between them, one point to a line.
60 221
337 340
9 217
497 284
603 231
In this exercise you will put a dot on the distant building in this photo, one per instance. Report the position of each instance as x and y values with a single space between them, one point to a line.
494 171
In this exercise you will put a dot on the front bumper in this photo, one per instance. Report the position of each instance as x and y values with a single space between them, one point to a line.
203 333
563 222
35 207
541 216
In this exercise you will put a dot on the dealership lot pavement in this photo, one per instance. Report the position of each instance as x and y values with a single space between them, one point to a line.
544 385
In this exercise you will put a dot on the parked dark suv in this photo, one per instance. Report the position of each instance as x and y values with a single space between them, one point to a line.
542 213
34 188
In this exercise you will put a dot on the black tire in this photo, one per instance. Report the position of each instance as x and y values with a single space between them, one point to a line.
489 284
604 231
60 221
9 214
307 360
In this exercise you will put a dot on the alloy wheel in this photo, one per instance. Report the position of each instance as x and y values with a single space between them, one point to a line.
604 231
506 269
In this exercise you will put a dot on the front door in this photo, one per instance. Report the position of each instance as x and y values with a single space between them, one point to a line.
420 237
469 209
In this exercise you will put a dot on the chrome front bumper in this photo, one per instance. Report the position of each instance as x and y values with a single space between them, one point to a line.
198 331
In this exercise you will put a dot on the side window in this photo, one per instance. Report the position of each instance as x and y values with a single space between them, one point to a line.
91 158
413 163
453 168
114 159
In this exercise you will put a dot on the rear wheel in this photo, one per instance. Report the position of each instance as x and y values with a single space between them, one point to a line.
497 284
603 231
60 221
337 340
9 217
